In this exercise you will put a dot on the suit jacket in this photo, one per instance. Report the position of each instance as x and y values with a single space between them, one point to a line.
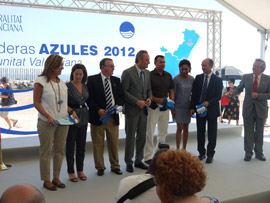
213 94
132 90
97 98
260 103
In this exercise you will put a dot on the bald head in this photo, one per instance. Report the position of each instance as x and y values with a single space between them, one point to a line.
207 65
22 194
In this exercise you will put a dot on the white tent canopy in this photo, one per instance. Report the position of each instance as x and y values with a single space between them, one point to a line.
256 12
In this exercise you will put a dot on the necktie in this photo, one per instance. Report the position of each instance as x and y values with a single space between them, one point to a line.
255 83
108 94
142 78
204 89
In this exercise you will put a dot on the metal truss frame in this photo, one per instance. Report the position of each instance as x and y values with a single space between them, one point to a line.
210 17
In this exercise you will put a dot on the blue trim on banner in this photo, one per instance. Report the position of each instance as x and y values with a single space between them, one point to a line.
15 132
16 91
19 108
171 122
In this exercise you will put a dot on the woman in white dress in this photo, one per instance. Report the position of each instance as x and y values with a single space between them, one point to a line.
50 100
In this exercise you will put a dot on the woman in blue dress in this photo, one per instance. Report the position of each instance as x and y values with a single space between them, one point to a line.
183 85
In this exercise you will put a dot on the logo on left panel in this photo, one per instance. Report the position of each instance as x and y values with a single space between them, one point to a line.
11 23
127 30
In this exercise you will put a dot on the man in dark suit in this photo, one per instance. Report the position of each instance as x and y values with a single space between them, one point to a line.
255 109
105 91
207 89
137 91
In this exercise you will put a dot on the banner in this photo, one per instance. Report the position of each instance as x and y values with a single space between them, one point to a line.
28 36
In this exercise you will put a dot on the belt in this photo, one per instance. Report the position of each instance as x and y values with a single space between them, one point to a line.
77 106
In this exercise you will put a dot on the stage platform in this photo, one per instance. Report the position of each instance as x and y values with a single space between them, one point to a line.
33 141
229 177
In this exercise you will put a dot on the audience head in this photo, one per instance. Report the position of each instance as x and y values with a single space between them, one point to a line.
178 174
162 147
231 81
53 66
258 66
142 59
76 70
22 194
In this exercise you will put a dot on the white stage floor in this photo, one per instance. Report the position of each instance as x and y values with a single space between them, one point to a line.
228 176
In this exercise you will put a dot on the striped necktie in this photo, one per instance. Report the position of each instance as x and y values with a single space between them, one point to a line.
108 94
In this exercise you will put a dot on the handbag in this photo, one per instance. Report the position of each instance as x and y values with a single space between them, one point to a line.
137 190
224 101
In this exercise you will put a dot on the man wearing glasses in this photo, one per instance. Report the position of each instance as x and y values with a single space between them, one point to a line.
105 92
255 109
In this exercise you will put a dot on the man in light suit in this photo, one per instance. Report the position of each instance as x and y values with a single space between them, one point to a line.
137 90
255 109
206 89
105 91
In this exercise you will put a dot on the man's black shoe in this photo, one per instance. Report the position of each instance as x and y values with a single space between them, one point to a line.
117 171
247 158
100 172
130 168
201 157
148 161
260 157
209 160
141 165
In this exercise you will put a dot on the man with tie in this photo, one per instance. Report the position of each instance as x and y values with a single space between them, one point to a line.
105 91
255 109
138 94
206 89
